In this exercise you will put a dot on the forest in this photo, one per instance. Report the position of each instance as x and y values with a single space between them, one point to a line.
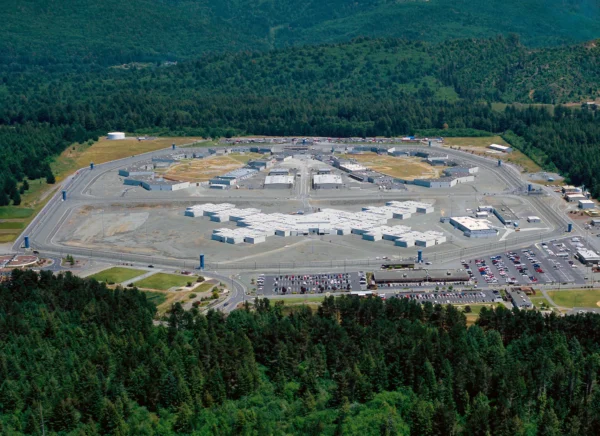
80 359
112 31
368 87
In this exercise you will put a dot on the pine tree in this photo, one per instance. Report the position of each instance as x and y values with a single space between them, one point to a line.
184 419
50 179
111 422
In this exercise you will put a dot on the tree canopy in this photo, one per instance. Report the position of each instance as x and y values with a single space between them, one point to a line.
79 358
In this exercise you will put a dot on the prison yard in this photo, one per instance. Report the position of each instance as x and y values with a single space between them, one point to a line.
320 180
402 168
205 169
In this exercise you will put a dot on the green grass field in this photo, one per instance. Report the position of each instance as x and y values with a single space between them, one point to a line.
157 298
163 281
204 287
539 300
117 275
12 212
576 298
11 225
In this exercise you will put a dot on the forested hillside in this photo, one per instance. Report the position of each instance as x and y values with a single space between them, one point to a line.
77 357
113 31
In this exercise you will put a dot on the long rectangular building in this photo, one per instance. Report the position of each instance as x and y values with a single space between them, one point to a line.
279 182
327 181
421 276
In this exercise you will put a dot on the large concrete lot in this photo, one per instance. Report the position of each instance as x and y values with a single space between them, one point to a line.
162 230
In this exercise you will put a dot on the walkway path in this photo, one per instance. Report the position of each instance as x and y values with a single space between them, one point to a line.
143 276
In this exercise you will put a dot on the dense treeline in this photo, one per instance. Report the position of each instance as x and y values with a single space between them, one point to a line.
113 31
365 88
77 357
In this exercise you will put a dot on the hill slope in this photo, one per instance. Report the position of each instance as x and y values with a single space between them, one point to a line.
114 31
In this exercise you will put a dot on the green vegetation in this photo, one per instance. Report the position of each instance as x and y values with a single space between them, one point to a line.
15 212
162 281
576 298
117 275
204 287
137 34
540 301
353 366
299 300
156 298
11 225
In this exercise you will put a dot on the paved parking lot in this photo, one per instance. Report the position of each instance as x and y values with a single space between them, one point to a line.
544 263
461 297
282 284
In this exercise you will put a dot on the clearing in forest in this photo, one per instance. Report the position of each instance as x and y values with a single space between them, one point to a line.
478 146
80 155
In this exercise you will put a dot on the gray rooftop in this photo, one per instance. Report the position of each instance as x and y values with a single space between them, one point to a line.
420 275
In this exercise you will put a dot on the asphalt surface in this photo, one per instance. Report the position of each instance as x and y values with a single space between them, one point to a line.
45 225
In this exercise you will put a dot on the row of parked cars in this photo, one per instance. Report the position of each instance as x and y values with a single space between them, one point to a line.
522 268
303 283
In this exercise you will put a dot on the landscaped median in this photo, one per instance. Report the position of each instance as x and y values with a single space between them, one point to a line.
164 281
117 275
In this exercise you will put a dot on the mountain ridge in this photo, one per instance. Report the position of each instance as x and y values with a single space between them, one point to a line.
112 32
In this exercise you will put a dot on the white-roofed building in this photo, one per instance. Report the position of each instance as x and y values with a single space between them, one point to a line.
586 204
474 228
279 182
502 148
327 181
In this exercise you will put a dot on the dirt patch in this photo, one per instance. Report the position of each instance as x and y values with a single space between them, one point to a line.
408 168
103 225
202 170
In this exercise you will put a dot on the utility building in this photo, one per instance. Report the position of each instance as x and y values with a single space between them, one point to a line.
506 216
327 181
474 228
586 204
279 182
588 256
